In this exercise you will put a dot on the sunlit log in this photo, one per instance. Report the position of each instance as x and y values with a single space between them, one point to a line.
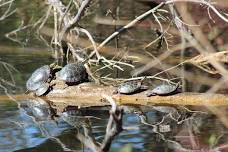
90 95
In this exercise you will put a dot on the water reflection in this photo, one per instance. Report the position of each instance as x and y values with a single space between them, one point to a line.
17 130
32 128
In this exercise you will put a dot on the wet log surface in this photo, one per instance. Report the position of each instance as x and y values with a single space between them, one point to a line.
92 95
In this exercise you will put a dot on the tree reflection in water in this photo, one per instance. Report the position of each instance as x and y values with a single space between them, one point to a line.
160 127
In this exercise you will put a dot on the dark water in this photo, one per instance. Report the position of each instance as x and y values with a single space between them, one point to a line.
26 128
22 129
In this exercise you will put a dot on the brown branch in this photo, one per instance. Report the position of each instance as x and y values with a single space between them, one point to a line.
88 139
81 10
114 126
129 25
74 21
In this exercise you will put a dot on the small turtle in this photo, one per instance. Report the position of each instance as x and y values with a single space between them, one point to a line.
73 73
38 77
130 87
163 90
37 83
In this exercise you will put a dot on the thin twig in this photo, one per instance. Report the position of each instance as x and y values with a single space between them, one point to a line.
129 25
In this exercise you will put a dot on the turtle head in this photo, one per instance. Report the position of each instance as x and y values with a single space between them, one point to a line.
150 93
54 66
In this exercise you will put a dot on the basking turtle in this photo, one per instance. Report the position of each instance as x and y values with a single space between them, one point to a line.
73 73
163 90
38 77
130 87
37 81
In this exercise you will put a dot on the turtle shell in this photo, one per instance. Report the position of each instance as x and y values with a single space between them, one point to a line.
162 90
73 73
38 77
42 89
129 87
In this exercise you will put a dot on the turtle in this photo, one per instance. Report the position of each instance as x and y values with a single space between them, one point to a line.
37 82
38 77
163 90
73 73
130 87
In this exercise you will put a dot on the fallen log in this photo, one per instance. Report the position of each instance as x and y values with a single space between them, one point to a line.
91 95
88 94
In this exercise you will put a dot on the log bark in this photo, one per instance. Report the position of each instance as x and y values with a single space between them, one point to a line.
90 95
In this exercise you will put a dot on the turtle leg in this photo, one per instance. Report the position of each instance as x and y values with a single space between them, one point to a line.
27 92
64 85
149 93
116 91
58 84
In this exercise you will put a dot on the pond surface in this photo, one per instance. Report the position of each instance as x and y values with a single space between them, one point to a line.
22 130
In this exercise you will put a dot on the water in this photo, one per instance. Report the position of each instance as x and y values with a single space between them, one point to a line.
23 129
